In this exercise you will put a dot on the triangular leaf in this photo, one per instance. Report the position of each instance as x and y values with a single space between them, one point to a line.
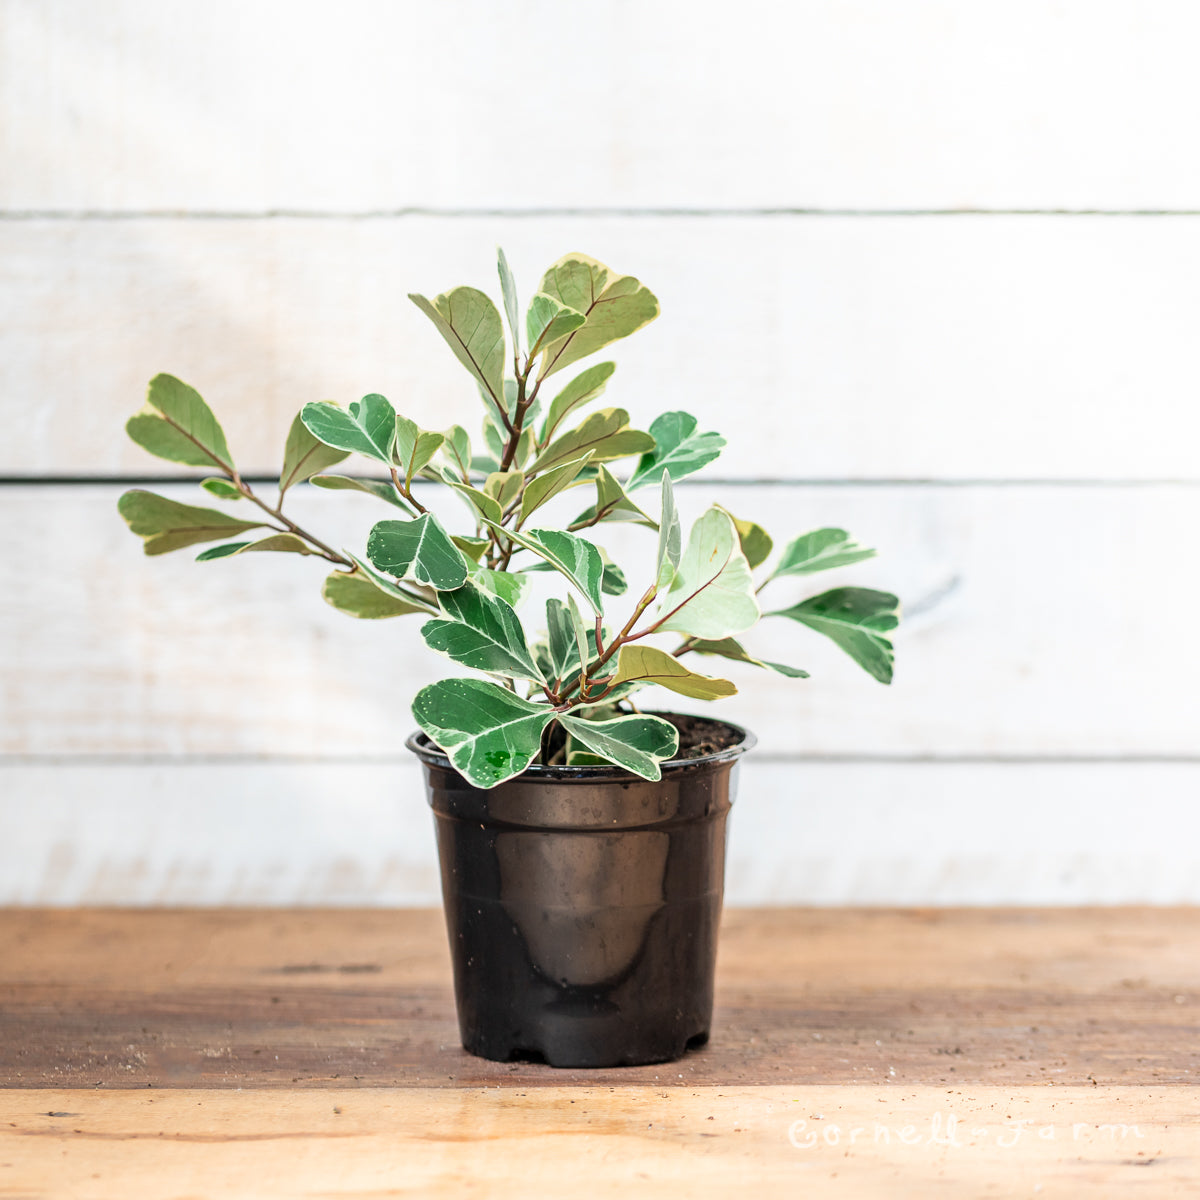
736 652
576 558
305 455
821 550
489 733
670 536
612 504
469 322
605 433
712 592
368 427
755 541
855 619
547 320
483 632
508 289
456 450
168 525
352 483
542 488
419 549
177 425
583 389
223 489
678 449
639 744
615 306
414 447
511 586
647 664
287 543
364 594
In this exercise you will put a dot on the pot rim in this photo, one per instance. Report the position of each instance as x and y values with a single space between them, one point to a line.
435 756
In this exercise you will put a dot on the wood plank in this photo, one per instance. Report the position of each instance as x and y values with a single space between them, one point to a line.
864 105
296 833
1005 348
626 1141
1030 633
951 998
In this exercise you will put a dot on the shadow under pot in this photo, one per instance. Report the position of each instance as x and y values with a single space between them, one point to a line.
582 903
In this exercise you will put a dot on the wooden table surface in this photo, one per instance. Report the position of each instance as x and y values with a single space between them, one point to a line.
873 1052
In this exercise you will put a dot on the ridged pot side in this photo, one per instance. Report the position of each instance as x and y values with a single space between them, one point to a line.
582 905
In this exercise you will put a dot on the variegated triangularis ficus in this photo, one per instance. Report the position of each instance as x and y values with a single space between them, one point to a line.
551 470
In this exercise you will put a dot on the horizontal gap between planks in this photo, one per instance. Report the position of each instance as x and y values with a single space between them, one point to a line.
650 212
707 481
764 758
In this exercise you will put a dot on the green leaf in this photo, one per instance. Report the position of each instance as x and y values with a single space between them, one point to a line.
177 425
605 433
419 549
678 449
503 487
576 558
305 455
469 322
547 320
855 619
508 289
483 632
168 525
372 487
712 593
281 542
583 758
368 427
483 506
639 744
613 581
612 504
511 586
569 641
223 489
734 650
456 450
414 447
489 733
364 594
755 541
647 664
614 307
670 536
542 488
583 389
820 550
473 548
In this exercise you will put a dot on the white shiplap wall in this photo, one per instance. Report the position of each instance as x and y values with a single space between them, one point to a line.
931 267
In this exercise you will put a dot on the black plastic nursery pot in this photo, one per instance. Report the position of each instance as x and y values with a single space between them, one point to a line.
582 903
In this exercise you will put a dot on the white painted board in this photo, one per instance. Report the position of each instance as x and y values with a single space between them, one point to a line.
373 104
799 833
827 348
1043 621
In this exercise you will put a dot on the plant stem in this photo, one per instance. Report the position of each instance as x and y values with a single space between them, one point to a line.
406 492
325 551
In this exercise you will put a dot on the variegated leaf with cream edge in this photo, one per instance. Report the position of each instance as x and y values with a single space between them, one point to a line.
712 591
489 733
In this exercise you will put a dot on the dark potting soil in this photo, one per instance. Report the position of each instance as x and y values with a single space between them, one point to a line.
701 735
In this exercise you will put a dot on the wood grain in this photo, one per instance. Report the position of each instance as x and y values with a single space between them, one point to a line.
931 104
802 832
952 998
1027 632
503 1144
1010 348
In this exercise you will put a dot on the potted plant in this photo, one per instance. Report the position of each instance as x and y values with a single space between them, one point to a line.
581 839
